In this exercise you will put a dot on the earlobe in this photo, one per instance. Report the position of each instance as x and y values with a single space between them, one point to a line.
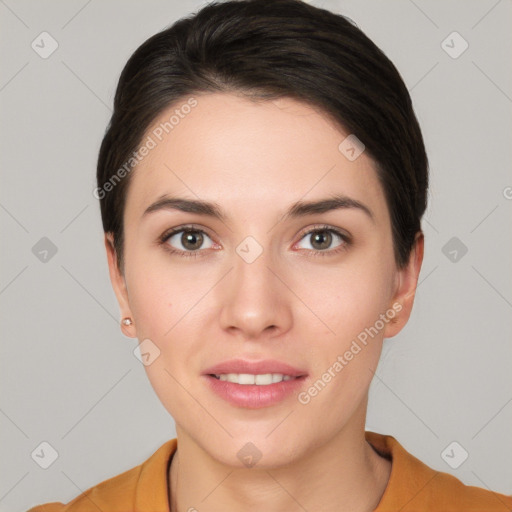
406 288
119 285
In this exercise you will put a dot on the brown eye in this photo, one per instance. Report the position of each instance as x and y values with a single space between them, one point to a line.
322 239
188 240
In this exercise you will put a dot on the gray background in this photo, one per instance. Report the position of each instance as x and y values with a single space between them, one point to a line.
70 378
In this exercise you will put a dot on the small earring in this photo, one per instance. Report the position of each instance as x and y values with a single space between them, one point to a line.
127 321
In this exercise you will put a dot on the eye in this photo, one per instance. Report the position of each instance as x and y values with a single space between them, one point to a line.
322 238
185 240
188 241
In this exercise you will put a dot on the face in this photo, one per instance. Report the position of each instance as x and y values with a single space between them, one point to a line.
269 289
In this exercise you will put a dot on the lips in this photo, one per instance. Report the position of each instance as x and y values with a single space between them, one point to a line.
254 384
243 366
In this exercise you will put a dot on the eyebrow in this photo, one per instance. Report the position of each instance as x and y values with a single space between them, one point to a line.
296 210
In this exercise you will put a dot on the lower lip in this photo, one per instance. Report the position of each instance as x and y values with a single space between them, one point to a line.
251 395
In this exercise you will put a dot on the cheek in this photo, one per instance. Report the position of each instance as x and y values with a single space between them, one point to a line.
162 302
152 302
348 298
167 300
354 306
162 293
343 363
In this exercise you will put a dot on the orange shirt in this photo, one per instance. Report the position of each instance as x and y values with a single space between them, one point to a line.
412 487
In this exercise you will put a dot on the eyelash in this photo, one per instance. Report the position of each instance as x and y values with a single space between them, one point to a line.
194 254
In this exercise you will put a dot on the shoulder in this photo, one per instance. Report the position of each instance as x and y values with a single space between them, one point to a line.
415 487
451 494
116 491
142 486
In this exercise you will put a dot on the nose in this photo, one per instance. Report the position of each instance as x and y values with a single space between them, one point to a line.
255 302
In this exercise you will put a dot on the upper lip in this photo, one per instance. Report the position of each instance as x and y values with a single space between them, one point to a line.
254 368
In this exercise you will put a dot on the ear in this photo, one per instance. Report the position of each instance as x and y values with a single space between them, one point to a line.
119 286
407 281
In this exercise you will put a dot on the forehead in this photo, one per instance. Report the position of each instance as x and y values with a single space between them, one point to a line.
250 155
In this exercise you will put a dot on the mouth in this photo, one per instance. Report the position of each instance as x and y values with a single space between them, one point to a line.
261 379
254 384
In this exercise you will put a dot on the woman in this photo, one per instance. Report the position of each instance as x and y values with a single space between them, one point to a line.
262 183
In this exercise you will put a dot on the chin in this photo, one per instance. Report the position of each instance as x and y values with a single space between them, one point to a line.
257 450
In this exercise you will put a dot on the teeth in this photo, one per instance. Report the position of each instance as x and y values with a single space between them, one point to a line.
247 378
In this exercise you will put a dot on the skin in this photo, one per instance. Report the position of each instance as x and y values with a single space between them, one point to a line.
254 159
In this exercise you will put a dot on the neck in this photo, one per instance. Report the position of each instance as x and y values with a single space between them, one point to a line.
344 474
